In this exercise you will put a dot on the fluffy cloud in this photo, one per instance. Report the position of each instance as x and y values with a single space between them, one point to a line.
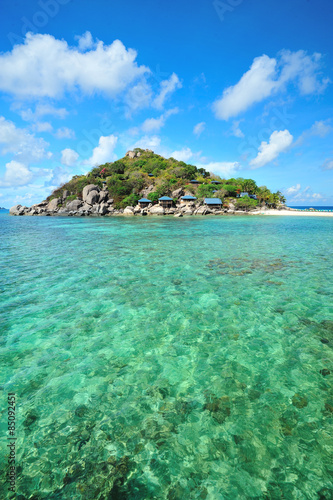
293 189
267 76
42 127
296 194
65 133
138 97
104 152
85 41
167 87
183 155
199 128
41 110
46 67
223 168
328 164
24 145
268 151
16 174
59 177
149 142
155 124
69 157
319 129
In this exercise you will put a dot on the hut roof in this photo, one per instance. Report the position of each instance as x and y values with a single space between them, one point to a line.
151 175
189 197
213 201
145 200
165 198
215 182
194 181
245 193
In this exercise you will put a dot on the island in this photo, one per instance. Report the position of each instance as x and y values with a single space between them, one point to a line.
145 183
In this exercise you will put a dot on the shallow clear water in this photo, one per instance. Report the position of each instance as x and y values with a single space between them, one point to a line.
163 358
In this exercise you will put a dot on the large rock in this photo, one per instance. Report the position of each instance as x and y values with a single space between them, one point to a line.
92 197
73 206
157 210
129 211
177 193
145 192
201 210
53 204
17 210
103 208
103 195
65 194
85 208
88 189
131 154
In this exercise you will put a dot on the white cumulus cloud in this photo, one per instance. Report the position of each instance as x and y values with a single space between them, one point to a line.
155 124
139 96
223 168
44 66
104 152
16 174
69 157
267 76
86 41
65 133
293 189
24 145
182 155
279 142
167 87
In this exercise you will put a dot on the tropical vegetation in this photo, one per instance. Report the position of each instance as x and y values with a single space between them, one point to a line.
127 177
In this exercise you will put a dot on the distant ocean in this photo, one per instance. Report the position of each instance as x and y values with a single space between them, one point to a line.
310 206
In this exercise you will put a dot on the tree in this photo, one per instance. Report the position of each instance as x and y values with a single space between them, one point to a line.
205 190
263 194
249 185
246 203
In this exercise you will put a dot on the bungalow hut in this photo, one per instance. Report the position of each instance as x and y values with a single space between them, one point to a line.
144 202
188 199
213 203
150 175
195 182
245 193
165 202
215 182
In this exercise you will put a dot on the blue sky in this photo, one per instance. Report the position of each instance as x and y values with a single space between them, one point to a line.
240 87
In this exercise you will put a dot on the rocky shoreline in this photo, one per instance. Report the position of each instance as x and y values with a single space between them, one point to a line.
96 202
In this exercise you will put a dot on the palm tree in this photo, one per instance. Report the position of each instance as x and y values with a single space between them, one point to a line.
263 194
249 185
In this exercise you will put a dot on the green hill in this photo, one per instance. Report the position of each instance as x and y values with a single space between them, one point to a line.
128 177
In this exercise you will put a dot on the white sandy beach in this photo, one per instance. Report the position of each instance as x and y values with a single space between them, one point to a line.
295 213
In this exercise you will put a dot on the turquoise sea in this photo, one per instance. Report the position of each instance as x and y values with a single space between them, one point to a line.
164 358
